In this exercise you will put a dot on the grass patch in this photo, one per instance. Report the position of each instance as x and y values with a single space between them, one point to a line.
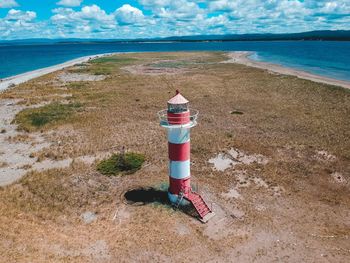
77 85
171 64
33 119
101 70
121 163
102 66
112 59
93 70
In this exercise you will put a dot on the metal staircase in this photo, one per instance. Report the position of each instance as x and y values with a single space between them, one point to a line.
203 210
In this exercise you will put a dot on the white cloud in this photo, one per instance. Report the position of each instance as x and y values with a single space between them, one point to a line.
159 18
87 13
128 15
8 3
89 20
222 5
170 11
336 7
70 3
19 24
18 15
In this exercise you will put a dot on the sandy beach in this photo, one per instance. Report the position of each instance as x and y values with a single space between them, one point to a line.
21 78
242 57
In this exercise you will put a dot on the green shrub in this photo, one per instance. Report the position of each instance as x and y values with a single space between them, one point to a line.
34 118
121 163
237 112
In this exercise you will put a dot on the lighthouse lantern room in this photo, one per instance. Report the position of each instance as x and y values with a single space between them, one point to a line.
178 119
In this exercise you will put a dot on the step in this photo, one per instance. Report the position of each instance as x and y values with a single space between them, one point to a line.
203 211
198 201
202 208
207 217
194 199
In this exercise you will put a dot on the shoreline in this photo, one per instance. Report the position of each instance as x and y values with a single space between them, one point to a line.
6 83
242 57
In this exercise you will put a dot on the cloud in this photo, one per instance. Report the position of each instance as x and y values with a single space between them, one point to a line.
90 19
70 3
128 15
87 13
161 18
19 24
174 11
18 15
8 3
222 5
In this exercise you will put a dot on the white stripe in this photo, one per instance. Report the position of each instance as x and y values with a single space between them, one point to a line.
179 170
179 135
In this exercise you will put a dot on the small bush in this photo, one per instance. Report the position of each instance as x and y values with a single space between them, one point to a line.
32 119
119 163
237 112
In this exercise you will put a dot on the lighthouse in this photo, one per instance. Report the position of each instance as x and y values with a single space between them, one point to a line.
178 119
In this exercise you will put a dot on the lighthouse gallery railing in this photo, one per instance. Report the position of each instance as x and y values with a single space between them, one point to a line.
164 119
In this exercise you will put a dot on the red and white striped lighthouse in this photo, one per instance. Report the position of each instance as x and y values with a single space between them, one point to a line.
178 119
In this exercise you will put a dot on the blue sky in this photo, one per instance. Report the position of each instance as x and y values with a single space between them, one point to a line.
160 18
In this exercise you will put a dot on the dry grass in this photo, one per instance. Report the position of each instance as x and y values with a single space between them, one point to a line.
45 116
284 118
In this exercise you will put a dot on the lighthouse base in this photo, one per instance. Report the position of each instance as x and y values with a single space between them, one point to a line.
173 198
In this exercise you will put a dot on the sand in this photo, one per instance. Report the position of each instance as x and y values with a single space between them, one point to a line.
17 148
21 78
242 57
294 208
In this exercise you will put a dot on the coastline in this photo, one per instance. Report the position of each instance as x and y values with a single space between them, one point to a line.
282 139
242 57
6 83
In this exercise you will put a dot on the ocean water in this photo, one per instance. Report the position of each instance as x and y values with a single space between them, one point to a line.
326 58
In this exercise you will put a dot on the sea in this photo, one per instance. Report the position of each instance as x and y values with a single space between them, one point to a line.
325 58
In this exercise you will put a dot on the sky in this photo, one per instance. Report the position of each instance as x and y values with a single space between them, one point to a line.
127 19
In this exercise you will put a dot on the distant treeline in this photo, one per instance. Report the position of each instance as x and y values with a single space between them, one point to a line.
339 35
327 35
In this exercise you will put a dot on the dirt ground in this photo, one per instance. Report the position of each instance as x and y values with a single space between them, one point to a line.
271 155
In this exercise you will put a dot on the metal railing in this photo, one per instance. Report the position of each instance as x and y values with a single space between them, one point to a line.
164 120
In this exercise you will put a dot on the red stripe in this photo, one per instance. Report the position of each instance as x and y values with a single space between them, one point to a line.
176 185
179 118
179 152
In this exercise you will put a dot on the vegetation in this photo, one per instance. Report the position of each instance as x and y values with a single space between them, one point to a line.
237 112
77 85
34 118
102 66
118 163
112 59
170 64
286 119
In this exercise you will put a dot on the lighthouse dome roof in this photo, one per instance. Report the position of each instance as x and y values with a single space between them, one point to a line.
178 99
